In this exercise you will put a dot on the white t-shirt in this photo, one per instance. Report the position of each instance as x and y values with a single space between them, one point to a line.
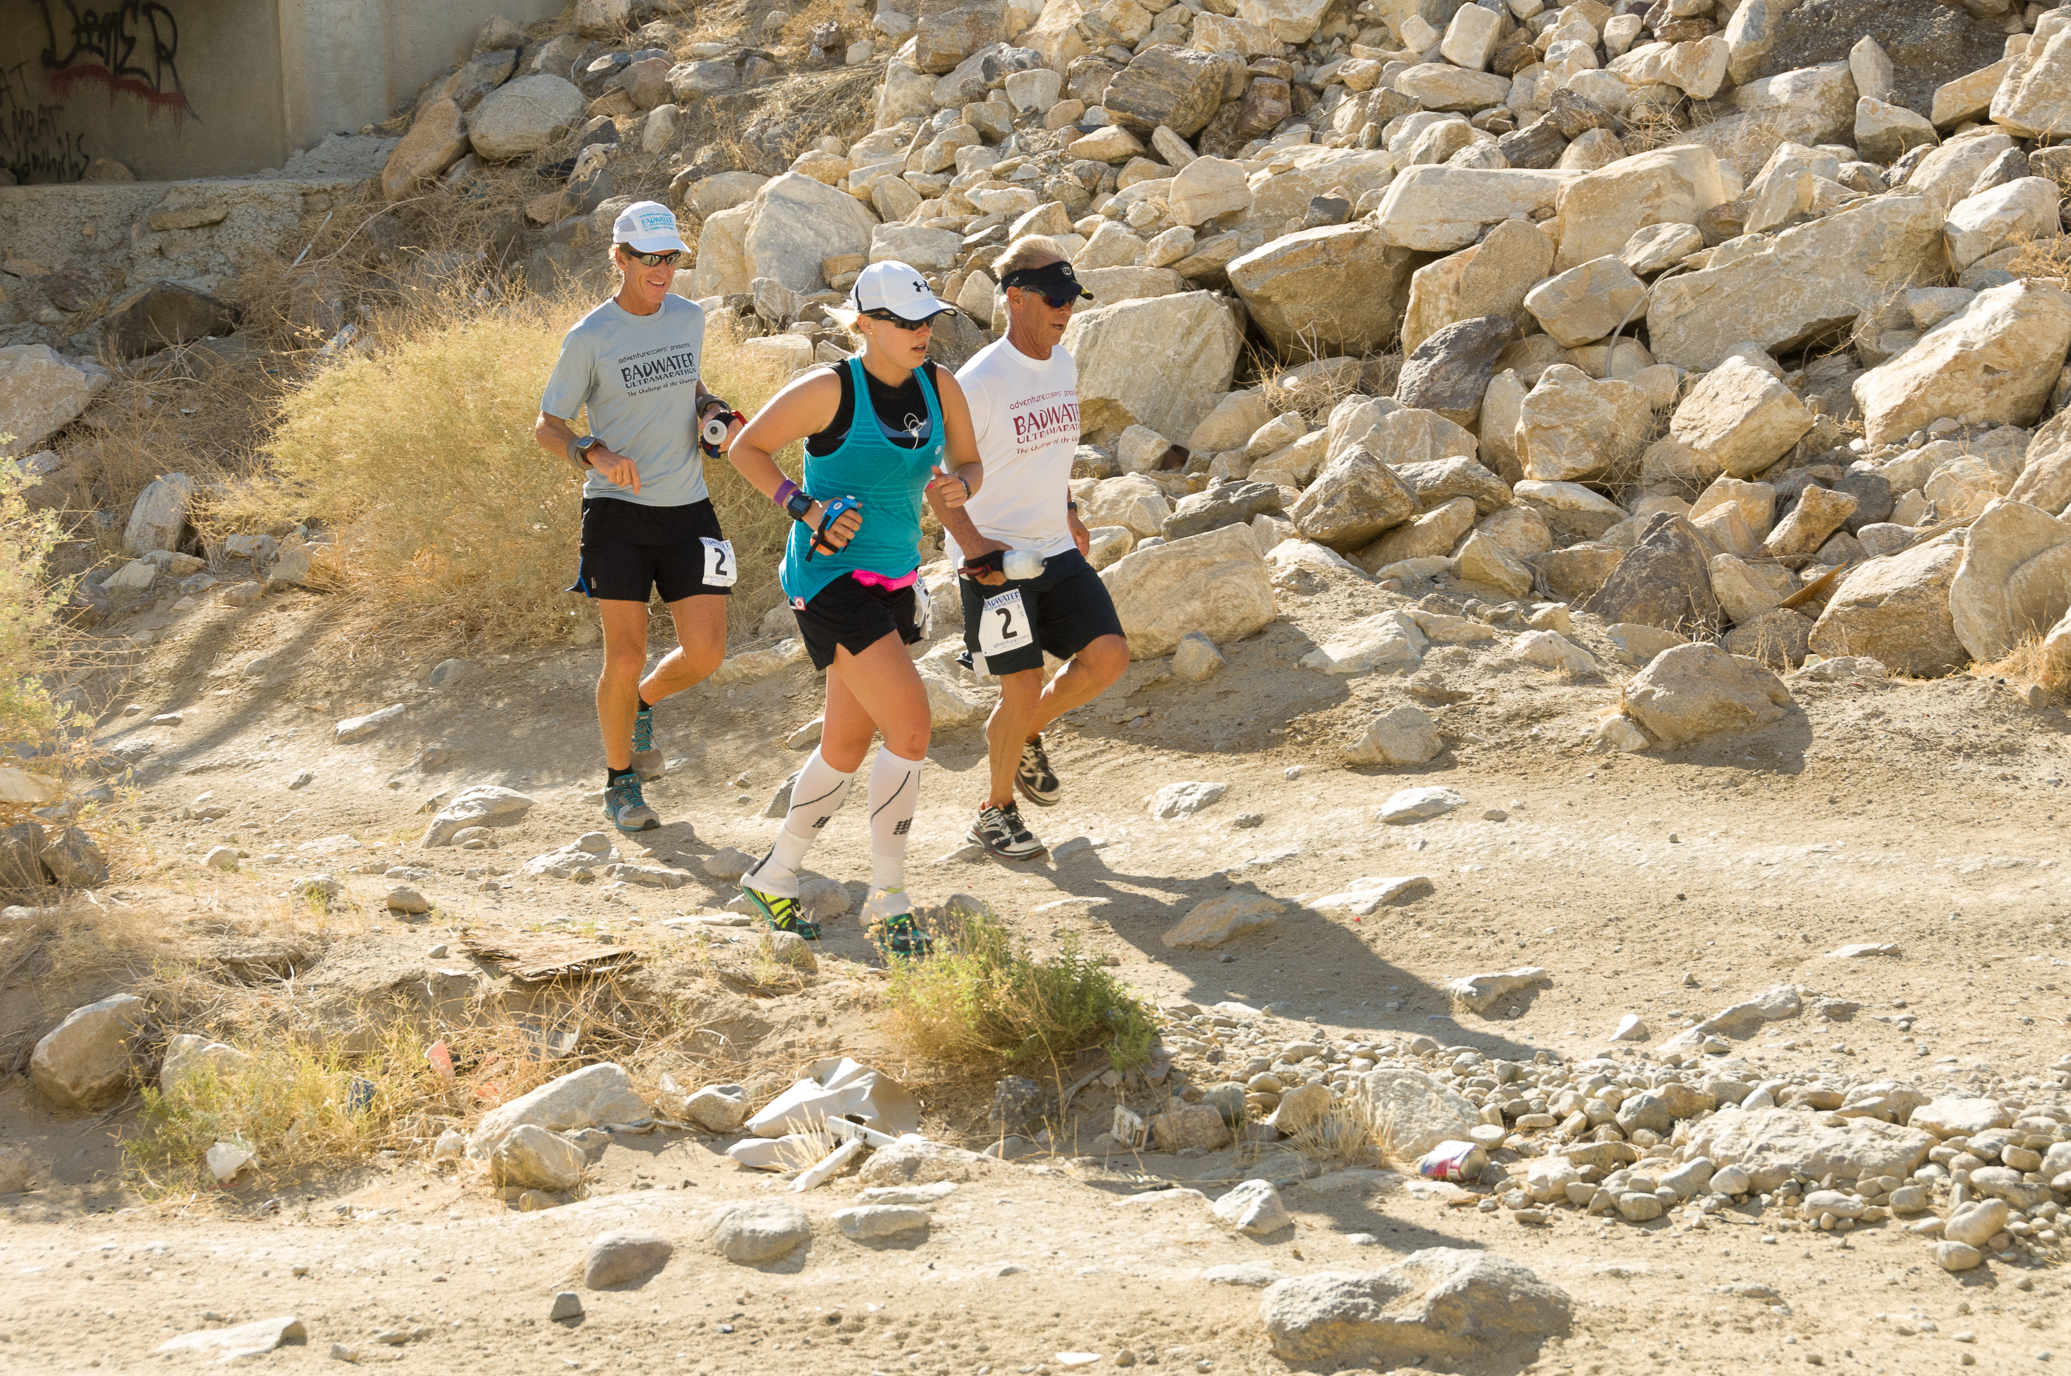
1026 415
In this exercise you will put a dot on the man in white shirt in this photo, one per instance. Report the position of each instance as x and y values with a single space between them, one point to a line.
1023 394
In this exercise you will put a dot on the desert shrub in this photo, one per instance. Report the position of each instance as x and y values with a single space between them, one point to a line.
419 453
30 639
985 999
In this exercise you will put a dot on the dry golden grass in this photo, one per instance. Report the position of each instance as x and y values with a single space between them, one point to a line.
2047 255
456 523
2029 661
31 638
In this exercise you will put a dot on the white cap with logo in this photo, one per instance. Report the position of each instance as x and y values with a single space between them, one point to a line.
894 287
647 227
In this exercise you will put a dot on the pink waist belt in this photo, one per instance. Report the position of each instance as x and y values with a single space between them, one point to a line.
878 580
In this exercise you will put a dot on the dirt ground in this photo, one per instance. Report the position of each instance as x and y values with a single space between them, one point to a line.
1924 814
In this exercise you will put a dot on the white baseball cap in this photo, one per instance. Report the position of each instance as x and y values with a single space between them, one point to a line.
647 227
894 287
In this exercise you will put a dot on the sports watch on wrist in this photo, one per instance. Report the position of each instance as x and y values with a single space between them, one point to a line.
579 451
797 505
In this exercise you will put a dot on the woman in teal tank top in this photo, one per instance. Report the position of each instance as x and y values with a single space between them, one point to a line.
881 430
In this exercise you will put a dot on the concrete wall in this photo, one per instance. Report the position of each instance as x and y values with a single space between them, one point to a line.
201 88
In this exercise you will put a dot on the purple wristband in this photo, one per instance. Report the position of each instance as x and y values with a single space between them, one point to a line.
784 491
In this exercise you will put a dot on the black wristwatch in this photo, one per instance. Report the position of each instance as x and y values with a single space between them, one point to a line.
579 450
797 505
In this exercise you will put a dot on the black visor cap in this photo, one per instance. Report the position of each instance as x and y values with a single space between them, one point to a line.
1051 279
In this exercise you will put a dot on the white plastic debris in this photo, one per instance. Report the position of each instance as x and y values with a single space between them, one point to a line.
839 1088
226 1159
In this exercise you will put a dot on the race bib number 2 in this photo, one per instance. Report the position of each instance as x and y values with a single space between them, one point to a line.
720 571
1003 625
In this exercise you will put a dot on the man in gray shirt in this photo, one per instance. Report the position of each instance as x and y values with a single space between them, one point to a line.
647 521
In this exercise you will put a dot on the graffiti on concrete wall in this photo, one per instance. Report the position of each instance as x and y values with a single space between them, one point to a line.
33 144
130 48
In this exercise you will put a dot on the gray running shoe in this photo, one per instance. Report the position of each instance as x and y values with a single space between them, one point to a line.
626 809
647 761
1000 831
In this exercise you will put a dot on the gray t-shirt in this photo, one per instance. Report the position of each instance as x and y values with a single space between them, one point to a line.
638 375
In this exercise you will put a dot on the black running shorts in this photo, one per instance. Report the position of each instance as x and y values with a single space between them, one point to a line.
629 549
1009 626
855 616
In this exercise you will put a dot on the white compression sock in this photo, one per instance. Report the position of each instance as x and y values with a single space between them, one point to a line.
815 798
894 794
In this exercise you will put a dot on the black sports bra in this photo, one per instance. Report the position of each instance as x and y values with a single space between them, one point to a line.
901 412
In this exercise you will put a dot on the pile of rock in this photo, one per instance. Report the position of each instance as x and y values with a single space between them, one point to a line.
1698 1132
1638 355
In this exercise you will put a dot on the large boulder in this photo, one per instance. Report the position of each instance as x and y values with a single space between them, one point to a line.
524 116
2034 97
1440 481
1462 1308
1206 188
159 515
758 1231
1215 584
1739 419
1442 86
722 267
41 392
585 1098
795 223
1663 581
1698 690
1295 289
1352 501
1421 1111
435 142
1599 211
1131 501
1570 510
1777 1144
1440 208
1179 88
1808 284
1585 303
162 314
1995 360
85 1061
946 34
1290 21
2003 216
2014 581
74 861
481 805
1573 427
1483 279
1399 434
2045 480
1946 175
1896 610
1449 371
2055 671
1159 362
530 1157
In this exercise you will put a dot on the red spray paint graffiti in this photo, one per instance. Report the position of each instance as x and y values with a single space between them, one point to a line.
131 48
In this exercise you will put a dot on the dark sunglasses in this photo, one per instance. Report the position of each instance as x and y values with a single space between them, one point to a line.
1057 300
901 321
653 260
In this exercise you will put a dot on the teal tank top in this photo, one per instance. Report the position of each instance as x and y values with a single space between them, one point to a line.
885 480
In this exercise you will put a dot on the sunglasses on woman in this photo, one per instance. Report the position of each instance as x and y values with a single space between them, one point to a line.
654 260
901 321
